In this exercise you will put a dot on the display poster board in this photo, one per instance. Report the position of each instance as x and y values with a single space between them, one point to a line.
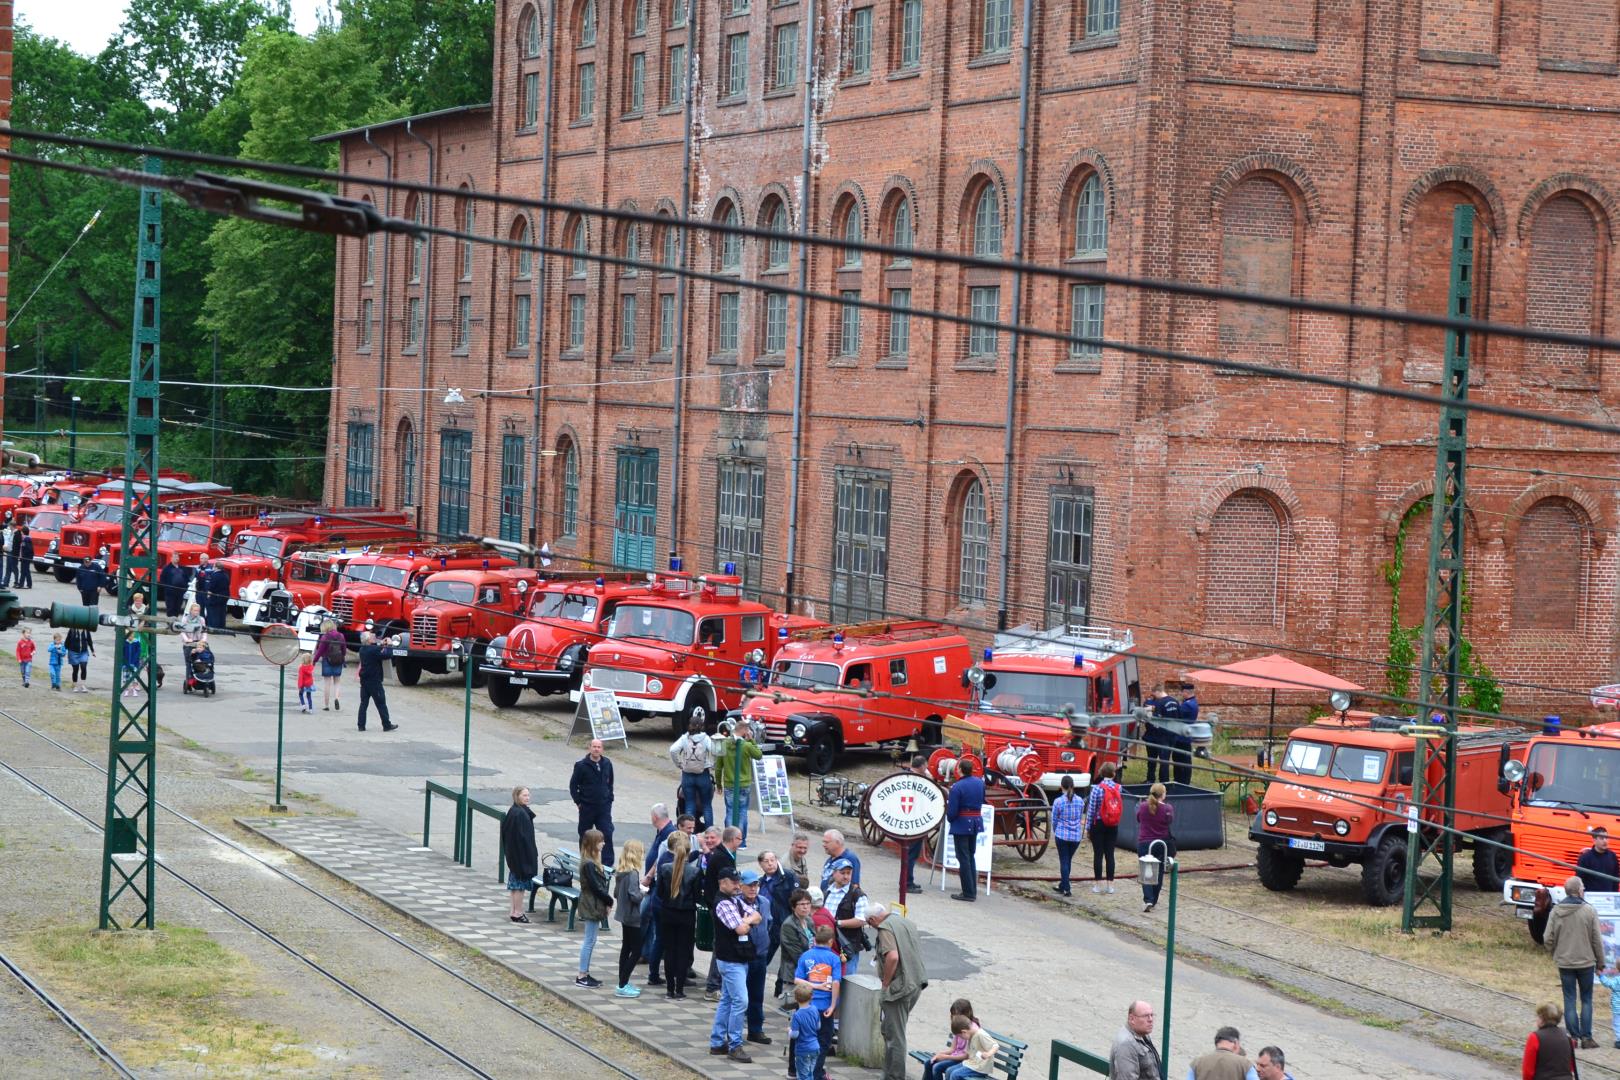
771 787
601 708
1608 913
982 848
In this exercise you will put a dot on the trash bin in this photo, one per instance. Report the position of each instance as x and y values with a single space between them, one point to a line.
860 1020
1199 824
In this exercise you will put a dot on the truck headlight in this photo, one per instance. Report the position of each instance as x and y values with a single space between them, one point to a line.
492 653
799 731
1271 818
52 546
565 662
1342 827
241 594
654 685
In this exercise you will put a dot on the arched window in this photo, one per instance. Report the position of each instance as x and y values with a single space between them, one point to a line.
638 17
776 248
521 287
1257 255
1549 565
523 257
730 242
849 228
972 583
469 225
577 244
1563 290
405 445
568 482
630 247
667 241
529 33
1091 220
987 223
1243 562
901 227
587 24
1433 231
418 254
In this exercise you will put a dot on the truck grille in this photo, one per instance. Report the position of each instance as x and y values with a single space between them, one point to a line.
424 630
1304 824
75 538
776 729
343 610
630 682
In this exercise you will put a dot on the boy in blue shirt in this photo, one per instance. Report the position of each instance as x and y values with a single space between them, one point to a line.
804 1034
821 970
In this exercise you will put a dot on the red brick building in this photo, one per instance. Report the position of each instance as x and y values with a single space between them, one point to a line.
5 193
1316 147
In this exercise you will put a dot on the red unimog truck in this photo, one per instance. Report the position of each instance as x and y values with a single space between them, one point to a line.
380 590
876 685
1341 795
469 607
680 650
546 652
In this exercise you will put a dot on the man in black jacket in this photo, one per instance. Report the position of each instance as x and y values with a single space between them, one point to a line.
90 579
172 580
591 788
1597 866
25 559
372 654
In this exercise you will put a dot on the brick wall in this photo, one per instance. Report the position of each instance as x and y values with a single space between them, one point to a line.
1313 149
5 195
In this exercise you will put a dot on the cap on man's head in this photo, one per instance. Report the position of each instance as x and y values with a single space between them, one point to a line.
749 876
728 874
1599 831
840 864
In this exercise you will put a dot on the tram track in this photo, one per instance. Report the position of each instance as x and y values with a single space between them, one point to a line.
412 1029
60 1011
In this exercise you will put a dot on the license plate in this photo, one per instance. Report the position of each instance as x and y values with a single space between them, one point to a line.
1306 845
519 680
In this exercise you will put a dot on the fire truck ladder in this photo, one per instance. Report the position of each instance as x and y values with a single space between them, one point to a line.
1428 900
1095 643
128 865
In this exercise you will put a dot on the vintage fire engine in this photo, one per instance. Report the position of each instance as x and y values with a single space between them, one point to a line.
1565 784
305 581
102 523
546 653
469 608
1341 792
683 649
380 589
206 529
45 522
880 684
258 552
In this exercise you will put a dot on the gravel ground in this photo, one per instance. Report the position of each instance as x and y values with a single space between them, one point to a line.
38 1044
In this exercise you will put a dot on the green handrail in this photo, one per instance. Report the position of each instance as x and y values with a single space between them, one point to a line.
1063 1051
430 789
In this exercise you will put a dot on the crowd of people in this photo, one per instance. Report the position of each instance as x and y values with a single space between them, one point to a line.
1134 1057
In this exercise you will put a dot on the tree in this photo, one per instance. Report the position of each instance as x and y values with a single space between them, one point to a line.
436 54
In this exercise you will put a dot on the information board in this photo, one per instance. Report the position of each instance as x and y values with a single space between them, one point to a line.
602 709
771 786
983 845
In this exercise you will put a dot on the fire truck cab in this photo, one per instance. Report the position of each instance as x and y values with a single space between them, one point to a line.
1054 702
199 530
878 684
45 522
681 649
382 588
101 525
304 581
1341 793
259 551
1561 786
546 653
469 606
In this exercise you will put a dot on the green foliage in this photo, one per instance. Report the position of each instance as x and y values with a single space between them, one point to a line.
435 54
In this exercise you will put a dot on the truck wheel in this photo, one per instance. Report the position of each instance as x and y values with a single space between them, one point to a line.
822 753
407 671
503 691
1279 869
697 708
64 576
1383 874
1492 865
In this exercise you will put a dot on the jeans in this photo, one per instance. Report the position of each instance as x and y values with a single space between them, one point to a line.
1614 1011
961 1071
56 675
652 942
828 1029
9 572
592 926
697 792
804 1065
936 1070
965 868
737 801
629 952
372 690
306 697
756 995
1066 850
24 578
27 670
1150 893
1578 1026
598 816
729 1014
1103 839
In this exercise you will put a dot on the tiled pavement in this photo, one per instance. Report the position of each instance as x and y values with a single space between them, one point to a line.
469 906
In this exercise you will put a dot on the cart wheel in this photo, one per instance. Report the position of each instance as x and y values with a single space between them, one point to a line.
869 828
1029 822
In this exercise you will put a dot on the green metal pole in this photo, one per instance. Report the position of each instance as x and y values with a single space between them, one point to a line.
736 774
1169 962
281 721
464 853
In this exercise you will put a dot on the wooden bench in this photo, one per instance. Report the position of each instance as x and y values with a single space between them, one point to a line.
1009 1054
566 895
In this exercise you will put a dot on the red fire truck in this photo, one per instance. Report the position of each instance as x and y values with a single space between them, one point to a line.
102 523
680 650
1340 795
472 607
1053 703
305 580
875 685
206 529
547 653
383 588
257 552
45 522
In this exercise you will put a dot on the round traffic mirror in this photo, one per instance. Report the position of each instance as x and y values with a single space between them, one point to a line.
279 644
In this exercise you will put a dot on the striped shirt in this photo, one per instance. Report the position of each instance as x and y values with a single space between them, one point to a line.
1068 817
1094 804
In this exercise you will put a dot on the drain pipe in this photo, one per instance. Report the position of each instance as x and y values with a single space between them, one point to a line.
536 307
1025 48
427 321
681 287
382 329
790 585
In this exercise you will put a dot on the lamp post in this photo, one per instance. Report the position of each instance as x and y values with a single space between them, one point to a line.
73 435
1151 870
463 824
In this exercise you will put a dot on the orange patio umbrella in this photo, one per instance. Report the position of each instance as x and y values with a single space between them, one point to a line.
1274 673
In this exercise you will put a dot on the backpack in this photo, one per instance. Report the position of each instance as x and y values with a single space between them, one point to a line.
333 652
1112 805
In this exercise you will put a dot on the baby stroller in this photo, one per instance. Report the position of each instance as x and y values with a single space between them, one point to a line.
200 677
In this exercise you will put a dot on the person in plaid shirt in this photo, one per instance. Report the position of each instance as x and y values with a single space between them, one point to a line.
1068 821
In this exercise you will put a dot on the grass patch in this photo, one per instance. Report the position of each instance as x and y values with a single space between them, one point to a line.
178 986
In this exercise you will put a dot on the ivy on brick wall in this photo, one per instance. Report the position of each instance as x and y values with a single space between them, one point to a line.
1480 689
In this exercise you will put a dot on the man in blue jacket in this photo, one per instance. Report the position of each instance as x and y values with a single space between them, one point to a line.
591 787
963 810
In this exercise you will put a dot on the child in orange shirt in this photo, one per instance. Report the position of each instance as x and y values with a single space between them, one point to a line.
306 682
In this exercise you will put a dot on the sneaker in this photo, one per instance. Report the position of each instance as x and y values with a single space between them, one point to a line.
587 982
655 980
1110 888
1588 1043
740 1056
711 995
1059 889
1096 889
627 991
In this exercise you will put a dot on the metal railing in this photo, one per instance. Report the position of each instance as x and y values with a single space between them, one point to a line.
1062 1051
463 839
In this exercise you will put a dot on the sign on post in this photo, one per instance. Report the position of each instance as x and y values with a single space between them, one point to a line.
771 787
983 845
905 805
601 708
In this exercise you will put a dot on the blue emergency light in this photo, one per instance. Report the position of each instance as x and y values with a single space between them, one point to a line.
729 568
989 654
674 564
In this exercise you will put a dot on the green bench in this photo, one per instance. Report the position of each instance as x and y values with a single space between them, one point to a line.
1009 1054
566 895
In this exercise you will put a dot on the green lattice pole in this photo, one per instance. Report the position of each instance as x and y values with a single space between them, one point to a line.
128 869
1428 902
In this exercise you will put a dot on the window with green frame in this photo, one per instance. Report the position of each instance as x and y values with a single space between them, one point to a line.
455 482
360 471
512 488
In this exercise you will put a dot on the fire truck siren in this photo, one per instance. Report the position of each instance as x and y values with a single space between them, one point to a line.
674 564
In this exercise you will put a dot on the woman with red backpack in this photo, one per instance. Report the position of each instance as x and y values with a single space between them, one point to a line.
1104 807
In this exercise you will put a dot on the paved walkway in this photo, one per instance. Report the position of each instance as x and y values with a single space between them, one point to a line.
466 905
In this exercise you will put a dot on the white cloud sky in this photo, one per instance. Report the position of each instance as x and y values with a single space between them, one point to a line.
86 25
